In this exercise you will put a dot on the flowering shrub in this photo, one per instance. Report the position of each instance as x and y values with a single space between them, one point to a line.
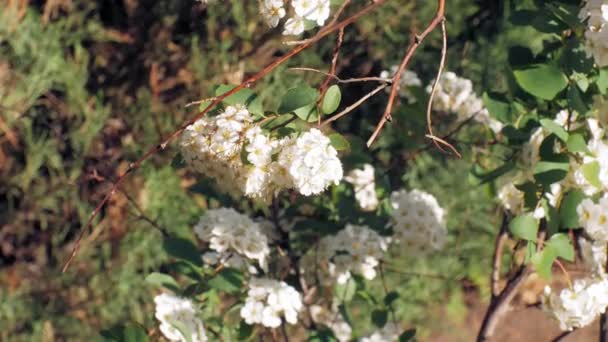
286 242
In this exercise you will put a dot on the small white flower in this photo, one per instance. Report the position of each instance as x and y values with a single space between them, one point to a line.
363 181
272 11
579 306
268 300
294 26
171 309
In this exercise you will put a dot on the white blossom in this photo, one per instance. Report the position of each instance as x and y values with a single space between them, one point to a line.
170 310
579 306
363 181
215 146
272 11
594 218
270 300
315 10
455 94
294 26
595 12
234 236
354 249
311 162
418 221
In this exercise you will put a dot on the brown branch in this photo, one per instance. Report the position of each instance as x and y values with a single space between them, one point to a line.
348 80
353 106
332 68
500 304
246 84
438 19
501 238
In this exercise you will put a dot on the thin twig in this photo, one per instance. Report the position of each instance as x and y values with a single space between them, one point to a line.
353 106
438 19
501 238
348 80
429 107
563 335
246 84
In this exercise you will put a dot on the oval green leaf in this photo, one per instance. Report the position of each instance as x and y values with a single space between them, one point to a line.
331 100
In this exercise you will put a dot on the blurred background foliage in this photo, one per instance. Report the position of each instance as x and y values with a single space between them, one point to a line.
88 86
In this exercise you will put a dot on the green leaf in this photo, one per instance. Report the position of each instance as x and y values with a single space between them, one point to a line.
563 248
184 249
229 280
547 172
346 292
390 298
575 100
567 210
339 142
163 280
541 80
308 113
244 331
243 96
407 335
322 335
524 227
344 313
543 262
379 318
591 172
125 333
554 128
552 217
298 97
558 246
331 100
485 177
602 81
576 143
498 106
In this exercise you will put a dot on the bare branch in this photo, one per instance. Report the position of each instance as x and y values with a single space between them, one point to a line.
438 19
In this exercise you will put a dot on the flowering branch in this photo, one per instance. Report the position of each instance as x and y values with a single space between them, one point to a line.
418 39
246 84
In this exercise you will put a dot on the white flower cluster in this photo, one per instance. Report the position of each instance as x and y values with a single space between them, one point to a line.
408 79
363 181
312 10
596 34
594 218
233 236
418 221
172 311
333 320
355 249
389 333
214 146
579 306
311 163
268 300
456 95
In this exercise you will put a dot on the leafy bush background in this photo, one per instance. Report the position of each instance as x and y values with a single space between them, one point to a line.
87 87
